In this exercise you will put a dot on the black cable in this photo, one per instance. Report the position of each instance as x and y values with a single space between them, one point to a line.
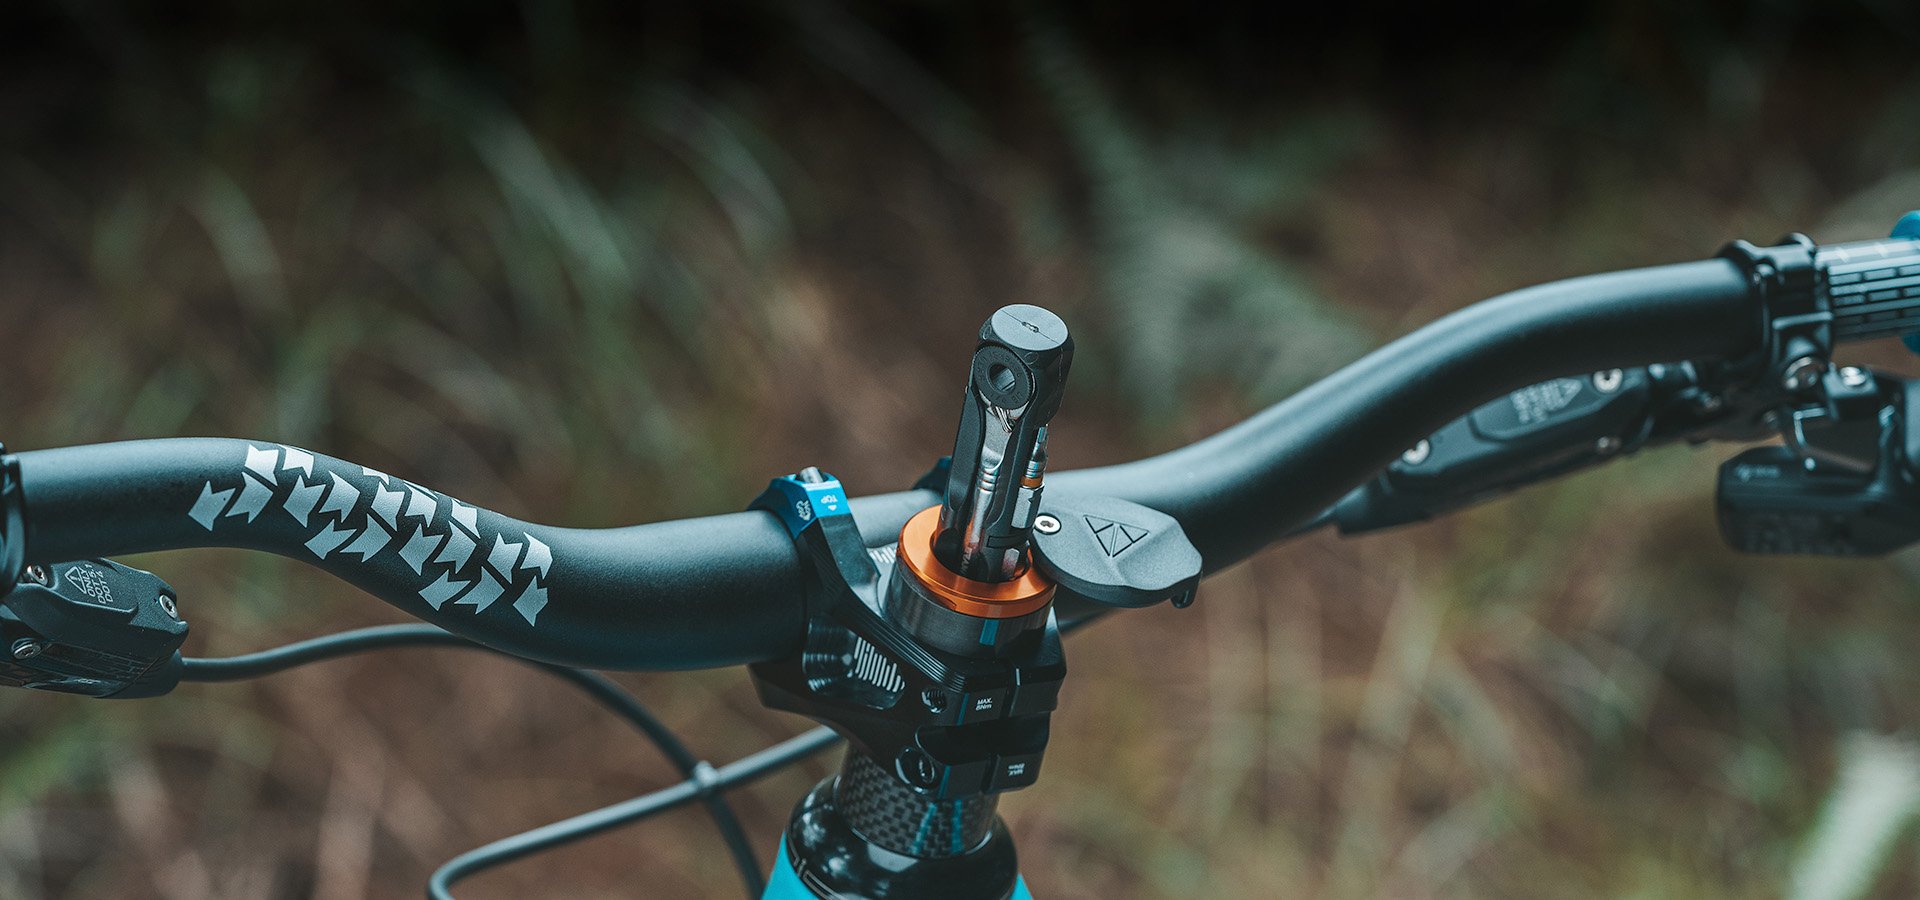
709 782
598 686
585 825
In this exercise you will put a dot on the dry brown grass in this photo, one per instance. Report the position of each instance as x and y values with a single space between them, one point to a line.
625 291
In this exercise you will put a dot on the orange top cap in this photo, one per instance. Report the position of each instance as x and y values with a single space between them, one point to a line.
983 599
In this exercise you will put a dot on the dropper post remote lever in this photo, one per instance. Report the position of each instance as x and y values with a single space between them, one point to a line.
1018 376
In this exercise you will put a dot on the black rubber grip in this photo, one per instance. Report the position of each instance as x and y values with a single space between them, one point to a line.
1873 287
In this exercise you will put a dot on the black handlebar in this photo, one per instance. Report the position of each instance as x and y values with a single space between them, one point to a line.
725 590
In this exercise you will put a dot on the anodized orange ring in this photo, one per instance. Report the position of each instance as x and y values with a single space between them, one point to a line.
1028 593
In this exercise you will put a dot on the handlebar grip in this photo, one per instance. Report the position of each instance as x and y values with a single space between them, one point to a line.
1873 287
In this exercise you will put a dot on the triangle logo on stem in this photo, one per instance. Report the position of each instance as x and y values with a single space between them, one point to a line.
1115 537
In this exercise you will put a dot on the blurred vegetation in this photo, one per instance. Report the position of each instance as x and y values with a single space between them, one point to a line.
603 265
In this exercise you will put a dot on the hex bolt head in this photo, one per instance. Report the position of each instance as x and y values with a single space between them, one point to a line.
1802 373
1853 376
1609 381
1046 524
934 699
1417 454
916 768
39 575
26 648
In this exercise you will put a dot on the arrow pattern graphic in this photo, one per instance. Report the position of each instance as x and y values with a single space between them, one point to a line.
459 560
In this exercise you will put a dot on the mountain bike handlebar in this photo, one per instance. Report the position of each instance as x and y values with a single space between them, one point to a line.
728 589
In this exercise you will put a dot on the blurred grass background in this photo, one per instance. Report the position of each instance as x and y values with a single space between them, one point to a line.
600 265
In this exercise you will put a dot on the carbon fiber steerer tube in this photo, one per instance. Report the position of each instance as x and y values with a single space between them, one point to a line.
727 589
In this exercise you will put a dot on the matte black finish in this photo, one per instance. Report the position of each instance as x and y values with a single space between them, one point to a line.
696 593
1116 553
1239 489
728 589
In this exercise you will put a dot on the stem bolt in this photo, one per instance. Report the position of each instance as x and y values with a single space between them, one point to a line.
1802 373
918 769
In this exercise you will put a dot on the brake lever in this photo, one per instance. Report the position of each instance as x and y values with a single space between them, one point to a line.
1537 432
1552 429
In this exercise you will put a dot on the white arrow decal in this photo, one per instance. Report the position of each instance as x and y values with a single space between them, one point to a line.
504 554
418 548
539 556
458 550
371 541
301 499
263 462
210 505
297 458
420 504
531 601
253 498
386 505
341 498
465 515
328 540
442 590
485 591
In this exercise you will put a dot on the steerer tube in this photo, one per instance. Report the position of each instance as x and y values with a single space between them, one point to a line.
1018 375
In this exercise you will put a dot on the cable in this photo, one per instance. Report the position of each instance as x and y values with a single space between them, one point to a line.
598 686
585 825
710 782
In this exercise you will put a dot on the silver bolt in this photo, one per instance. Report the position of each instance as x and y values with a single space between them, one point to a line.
1606 446
38 575
166 606
1046 524
1609 381
1418 454
1802 373
1853 376
26 648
